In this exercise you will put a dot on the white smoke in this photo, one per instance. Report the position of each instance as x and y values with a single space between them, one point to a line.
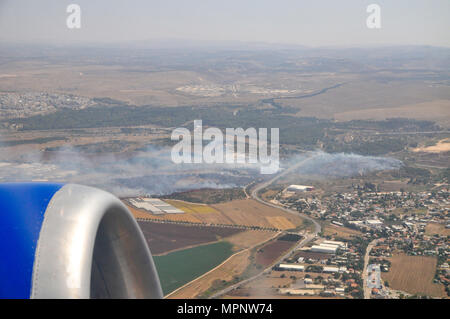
152 172
320 164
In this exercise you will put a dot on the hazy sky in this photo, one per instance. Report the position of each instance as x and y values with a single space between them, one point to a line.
311 22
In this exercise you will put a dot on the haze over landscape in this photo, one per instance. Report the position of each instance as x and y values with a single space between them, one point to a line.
310 23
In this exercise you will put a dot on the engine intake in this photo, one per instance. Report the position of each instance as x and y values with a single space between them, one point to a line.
71 241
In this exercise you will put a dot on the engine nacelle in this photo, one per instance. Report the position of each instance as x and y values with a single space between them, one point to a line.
71 241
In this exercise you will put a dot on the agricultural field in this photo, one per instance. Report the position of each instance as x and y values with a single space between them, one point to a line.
229 270
437 229
209 196
440 147
251 212
247 212
191 208
249 238
280 222
436 110
414 275
180 267
137 213
269 253
164 238
343 232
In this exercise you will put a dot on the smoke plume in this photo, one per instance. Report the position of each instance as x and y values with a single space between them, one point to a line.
152 172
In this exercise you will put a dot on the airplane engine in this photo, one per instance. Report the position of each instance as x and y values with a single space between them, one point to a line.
71 241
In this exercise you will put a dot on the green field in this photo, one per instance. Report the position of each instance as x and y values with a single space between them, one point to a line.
180 267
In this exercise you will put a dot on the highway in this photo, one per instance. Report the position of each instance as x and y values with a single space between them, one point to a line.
255 191
303 242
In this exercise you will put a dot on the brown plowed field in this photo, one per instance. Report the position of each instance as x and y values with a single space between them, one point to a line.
249 238
435 228
270 252
163 238
414 274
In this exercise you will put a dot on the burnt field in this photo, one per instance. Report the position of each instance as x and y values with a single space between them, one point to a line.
163 238
209 195
270 252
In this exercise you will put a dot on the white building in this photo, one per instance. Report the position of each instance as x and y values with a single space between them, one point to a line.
337 223
324 249
330 269
334 269
335 243
291 267
374 222
299 188
356 222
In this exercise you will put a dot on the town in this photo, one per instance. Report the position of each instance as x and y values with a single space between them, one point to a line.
389 227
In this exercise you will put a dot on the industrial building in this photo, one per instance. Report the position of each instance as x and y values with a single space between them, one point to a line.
374 222
337 223
314 286
291 267
328 247
324 249
340 244
334 269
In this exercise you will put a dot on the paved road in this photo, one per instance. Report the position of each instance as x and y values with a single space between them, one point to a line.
303 242
367 290
254 194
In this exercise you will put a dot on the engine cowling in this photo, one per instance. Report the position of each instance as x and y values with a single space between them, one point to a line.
71 241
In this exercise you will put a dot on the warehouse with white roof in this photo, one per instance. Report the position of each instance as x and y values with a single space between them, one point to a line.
291 267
